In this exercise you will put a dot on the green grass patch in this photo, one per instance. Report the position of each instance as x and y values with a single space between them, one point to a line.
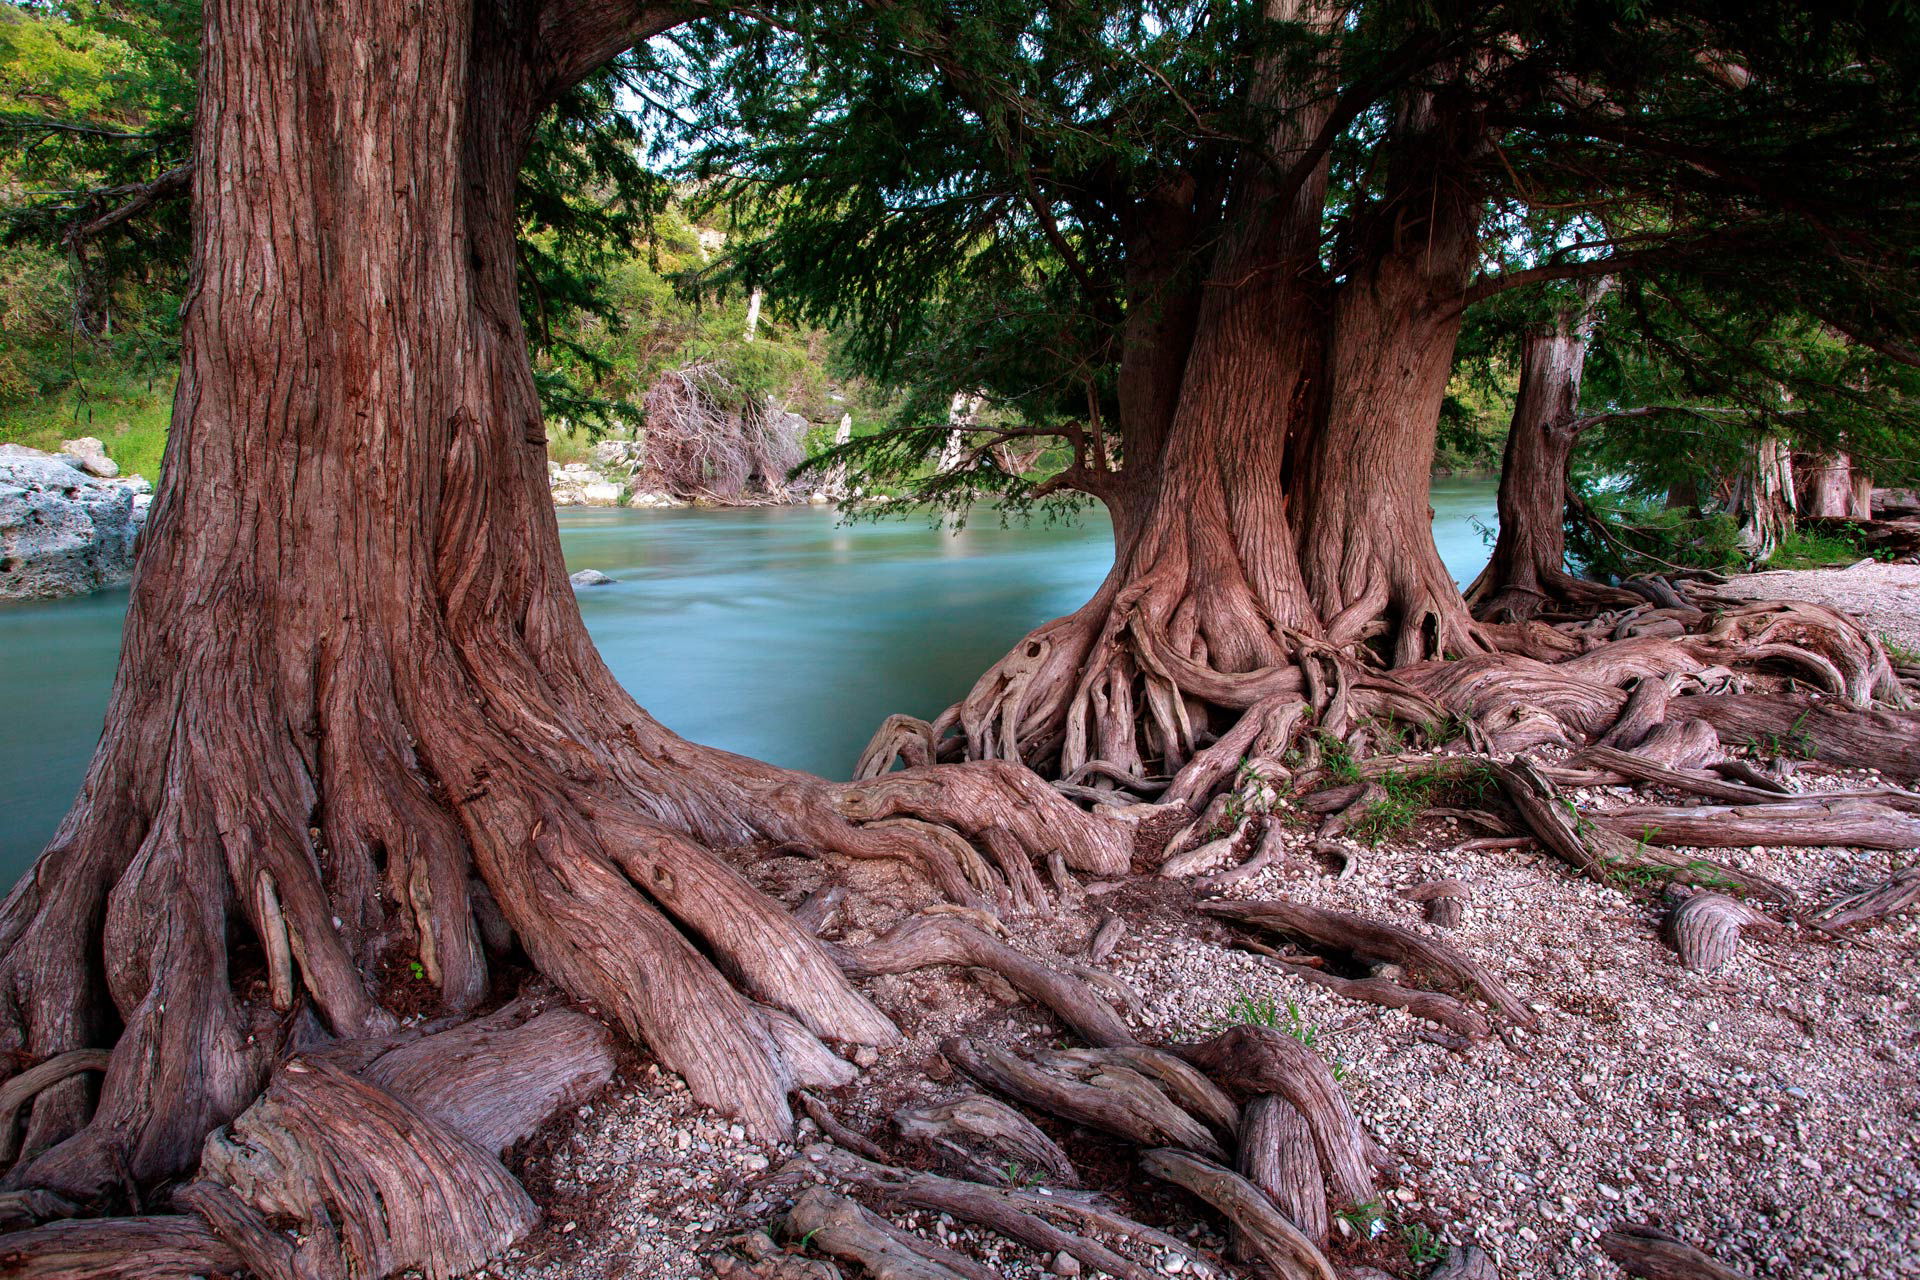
1804 549
129 413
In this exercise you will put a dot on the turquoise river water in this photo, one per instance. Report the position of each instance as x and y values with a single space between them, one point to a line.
777 632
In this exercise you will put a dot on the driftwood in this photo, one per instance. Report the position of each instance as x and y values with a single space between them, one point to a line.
978 1118
1893 895
1445 900
835 1225
1705 929
922 941
1375 941
1261 1232
1277 1155
1260 1060
1654 1255
1103 1096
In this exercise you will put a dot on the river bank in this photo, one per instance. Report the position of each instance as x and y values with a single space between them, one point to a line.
778 632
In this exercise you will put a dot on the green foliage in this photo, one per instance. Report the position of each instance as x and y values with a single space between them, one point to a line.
1421 1244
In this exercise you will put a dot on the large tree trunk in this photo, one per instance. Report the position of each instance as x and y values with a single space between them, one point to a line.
1835 489
1275 505
1761 498
358 729
1364 522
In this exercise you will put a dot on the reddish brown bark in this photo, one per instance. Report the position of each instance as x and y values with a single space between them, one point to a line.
358 724
1527 572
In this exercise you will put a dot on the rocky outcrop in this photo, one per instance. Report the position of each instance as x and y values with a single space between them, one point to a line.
65 528
578 485
90 456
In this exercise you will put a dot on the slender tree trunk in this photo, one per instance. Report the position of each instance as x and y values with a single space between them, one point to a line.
358 727
1528 570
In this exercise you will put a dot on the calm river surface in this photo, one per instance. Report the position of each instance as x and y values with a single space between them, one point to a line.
775 632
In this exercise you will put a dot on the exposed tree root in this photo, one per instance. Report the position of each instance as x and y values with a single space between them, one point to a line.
1261 1232
1277 1155
1608 857
922 941
1871 906
1446 901
1105 1096
1705 929
954 1127
838 1226
1016 1213
1652 1254
1375 942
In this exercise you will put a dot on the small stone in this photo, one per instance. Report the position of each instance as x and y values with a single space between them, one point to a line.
590 578
865 1056
1065 1264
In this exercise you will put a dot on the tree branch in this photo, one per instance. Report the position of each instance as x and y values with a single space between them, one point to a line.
578 37
135 199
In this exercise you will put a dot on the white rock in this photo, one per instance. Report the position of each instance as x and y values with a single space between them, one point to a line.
90 456
63 531
590 578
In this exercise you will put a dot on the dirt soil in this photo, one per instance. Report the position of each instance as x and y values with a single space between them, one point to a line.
1769 1113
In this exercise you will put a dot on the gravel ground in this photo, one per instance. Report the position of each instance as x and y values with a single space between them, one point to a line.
1769 1113
1886 594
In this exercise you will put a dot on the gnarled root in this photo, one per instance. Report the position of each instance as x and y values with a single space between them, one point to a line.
1870 906
924 941
1705 929
1261 1232
974 1119
1607 857
1653 1254
838 1226
1014 1212
1371 942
